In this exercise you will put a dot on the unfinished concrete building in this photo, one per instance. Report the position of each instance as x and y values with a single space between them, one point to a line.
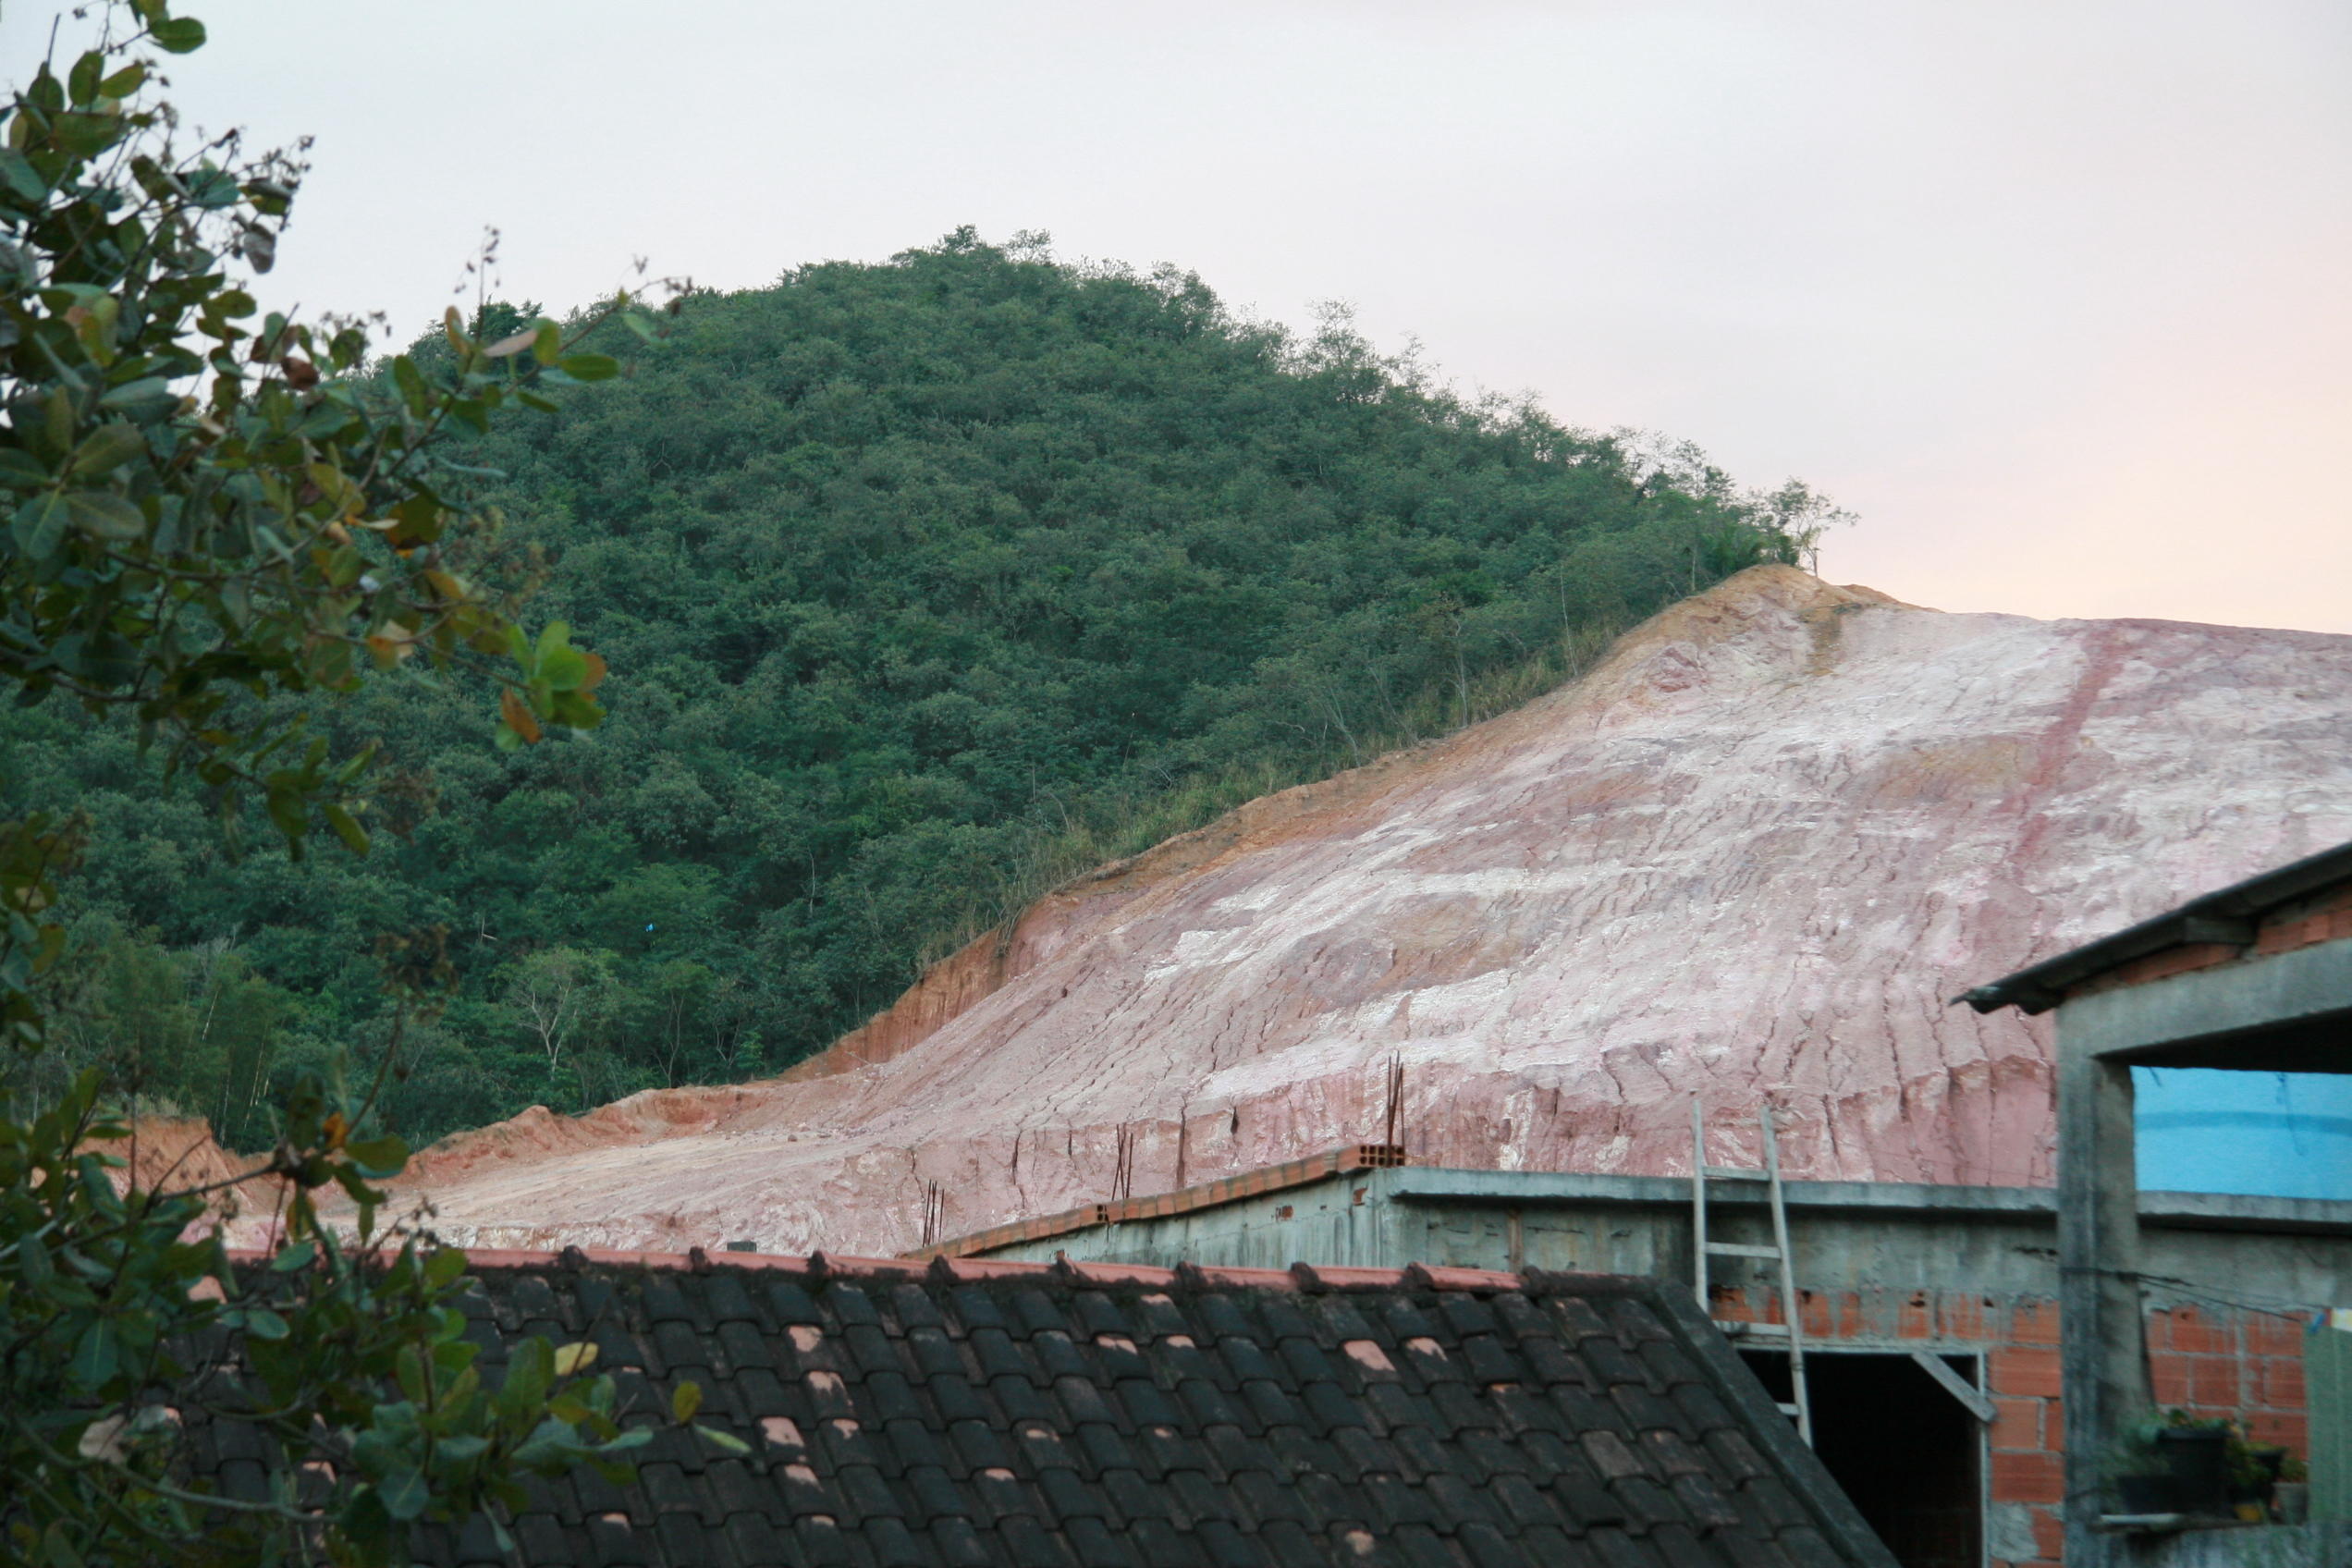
1928 1316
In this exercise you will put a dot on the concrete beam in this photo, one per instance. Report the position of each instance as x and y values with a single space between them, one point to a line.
1540 1189
2282 991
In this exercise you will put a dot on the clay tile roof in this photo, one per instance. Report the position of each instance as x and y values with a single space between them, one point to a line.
904 1413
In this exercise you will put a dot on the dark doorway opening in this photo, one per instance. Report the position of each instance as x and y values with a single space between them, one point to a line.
1899 1444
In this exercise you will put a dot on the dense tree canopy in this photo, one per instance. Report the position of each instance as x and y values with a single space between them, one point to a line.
924 584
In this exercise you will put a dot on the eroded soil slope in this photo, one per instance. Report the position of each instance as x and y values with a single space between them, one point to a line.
1751 855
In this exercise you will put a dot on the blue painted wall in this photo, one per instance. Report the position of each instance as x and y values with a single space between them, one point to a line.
2272 1134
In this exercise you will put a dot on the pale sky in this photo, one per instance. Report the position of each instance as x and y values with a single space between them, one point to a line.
2052 294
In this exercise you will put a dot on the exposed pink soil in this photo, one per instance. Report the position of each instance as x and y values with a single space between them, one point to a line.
1750 856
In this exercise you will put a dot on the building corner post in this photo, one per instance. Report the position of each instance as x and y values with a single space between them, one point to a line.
2103 1363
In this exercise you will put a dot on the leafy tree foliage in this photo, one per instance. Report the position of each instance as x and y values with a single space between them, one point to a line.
934 582
209 522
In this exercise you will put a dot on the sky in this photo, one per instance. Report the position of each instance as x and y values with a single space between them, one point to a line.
2053 297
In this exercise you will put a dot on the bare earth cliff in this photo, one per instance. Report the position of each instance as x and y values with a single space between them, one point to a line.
1749 857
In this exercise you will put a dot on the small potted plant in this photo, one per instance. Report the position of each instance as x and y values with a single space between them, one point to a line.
2140 1481
2291 1496
2254 1471
2195 1451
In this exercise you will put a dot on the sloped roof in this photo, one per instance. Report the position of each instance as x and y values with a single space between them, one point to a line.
2227 916
982 1412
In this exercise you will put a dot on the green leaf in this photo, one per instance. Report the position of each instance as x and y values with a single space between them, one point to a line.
404 1494
106 517
589 367
106 449
124 82
460 1450
444 1267
379 1158
284 799
178 35
546 343
563 668
408 1371
347 828
725 1442
411 381
93 1356
146 398
40 525
82 82
57 1550
686 1399
353 1183
261 1323
20 467
22 177
301 1254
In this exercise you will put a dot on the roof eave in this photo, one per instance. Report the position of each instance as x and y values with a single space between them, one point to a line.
2226 915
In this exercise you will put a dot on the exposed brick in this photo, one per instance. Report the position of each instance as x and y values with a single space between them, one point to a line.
1849 1315
2269 1334
2214 1380
1961 1315
2054 1424
2283 935
2279 1383
1816 1310
2198 1334
2292 1431
2050 1533
2025 1369
2168 1377
2034 1323
2028 1477
1915 1320
2019 1425
2159 966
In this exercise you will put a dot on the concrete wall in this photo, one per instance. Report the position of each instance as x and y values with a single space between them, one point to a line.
1885 1238
2276 1546
1966 1270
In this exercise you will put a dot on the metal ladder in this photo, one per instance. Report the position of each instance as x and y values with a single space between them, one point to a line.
1790 1328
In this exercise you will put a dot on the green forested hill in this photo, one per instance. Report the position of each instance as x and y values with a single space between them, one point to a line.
922 585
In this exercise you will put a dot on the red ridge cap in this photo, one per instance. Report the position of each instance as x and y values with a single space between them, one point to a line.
1444 1278
1322 1277
1217 1278
974 1270
1115 1273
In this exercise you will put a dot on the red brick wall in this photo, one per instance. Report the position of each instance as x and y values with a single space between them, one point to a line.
2212 1361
